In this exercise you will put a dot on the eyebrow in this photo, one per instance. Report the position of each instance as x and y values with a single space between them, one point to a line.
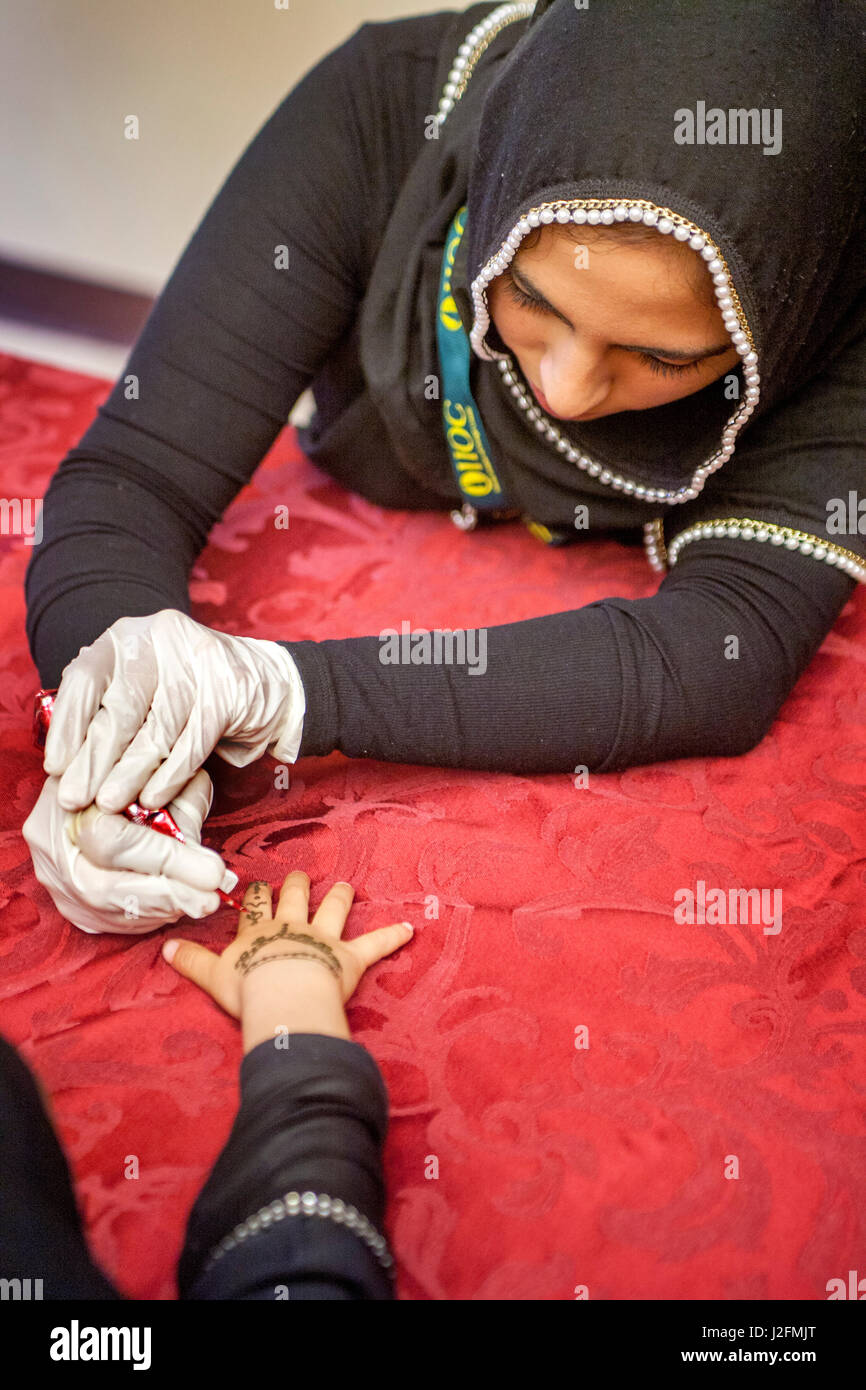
678 354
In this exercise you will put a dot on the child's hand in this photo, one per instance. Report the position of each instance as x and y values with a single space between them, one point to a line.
219 976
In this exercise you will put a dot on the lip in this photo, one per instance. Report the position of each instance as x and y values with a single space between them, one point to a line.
543 402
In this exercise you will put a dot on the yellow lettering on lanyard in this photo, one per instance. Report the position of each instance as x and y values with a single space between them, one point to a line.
449 314
465 451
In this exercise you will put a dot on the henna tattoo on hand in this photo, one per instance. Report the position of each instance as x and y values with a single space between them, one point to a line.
293 955
256 909
285 934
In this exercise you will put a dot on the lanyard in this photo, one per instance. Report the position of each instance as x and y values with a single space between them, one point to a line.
467 442
465 436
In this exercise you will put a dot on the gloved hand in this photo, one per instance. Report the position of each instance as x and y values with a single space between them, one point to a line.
81 856
171 691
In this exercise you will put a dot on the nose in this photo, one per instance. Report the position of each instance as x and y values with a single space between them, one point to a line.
574 382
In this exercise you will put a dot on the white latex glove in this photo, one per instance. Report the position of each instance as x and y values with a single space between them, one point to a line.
139 711
107 874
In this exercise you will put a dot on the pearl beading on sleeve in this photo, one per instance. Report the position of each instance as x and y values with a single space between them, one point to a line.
661 557
307 1204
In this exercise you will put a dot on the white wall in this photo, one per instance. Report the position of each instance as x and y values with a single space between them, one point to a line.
202 76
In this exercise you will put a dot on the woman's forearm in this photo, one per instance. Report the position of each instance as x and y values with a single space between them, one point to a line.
615 684
232 341
111 548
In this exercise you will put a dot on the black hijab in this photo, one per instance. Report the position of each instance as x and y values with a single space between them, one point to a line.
567 104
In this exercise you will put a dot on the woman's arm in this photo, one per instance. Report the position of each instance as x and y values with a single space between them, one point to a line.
629 681
609 686
239 331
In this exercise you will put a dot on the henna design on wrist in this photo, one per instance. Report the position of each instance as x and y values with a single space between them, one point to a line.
293 955
285 934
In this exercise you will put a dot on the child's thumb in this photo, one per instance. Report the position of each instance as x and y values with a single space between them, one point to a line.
193 961
381 942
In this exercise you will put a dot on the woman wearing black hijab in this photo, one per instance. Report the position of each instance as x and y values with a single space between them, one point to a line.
457 158
575 111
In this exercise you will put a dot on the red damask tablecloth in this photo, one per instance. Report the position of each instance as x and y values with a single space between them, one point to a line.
519 1164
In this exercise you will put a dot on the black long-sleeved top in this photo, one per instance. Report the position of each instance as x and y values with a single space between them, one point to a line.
232 343
312 1118
227 350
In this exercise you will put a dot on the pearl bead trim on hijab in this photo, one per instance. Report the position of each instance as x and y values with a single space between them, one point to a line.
471 50
667 223
607 211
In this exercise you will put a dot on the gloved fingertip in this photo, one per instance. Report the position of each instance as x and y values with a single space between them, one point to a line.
215 869
52 756
68 800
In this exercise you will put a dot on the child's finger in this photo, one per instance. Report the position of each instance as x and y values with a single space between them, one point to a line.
380 943
333 910
194 962
294 903
257 906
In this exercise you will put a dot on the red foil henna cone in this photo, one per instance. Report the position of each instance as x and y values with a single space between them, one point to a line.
163 821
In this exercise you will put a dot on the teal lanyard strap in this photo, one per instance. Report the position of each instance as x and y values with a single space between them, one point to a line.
464 430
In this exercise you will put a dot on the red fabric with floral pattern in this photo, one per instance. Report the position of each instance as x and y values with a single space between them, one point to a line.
558 1165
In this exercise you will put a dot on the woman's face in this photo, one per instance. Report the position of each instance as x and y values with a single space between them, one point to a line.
613 332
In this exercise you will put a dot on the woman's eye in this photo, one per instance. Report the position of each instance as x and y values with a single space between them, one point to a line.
655 364
524 300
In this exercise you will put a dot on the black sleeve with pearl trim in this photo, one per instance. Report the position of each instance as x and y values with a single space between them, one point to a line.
699 669
294 1206
765 559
